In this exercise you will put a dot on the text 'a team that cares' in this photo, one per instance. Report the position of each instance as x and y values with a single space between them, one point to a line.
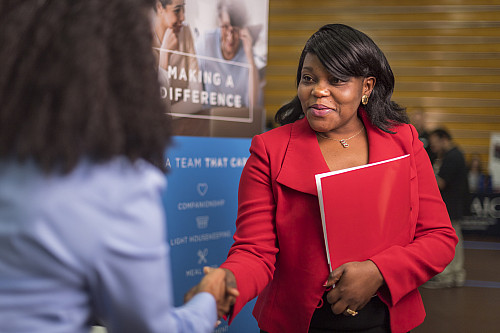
206 162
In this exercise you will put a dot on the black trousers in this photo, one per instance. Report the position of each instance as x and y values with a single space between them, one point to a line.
373 318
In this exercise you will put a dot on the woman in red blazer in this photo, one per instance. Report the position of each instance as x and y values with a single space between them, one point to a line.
342 117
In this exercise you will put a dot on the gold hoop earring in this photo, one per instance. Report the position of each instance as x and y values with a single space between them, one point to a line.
364 99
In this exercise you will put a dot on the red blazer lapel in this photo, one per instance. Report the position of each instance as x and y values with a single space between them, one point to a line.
302 160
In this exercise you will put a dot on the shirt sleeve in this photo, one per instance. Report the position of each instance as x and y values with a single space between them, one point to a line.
130 277
252 257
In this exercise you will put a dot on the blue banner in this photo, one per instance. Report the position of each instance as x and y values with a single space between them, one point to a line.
201 204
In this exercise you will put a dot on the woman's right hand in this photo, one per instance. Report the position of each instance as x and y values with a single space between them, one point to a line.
219 282
170 42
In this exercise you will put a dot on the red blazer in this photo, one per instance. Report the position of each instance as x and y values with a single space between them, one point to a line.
279 251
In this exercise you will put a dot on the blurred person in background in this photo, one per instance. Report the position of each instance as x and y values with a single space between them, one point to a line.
479 181
419 120
451 175
83 134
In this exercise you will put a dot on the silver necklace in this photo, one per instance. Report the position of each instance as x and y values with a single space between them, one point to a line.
343 142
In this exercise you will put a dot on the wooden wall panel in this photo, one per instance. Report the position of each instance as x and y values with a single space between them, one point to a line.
445 55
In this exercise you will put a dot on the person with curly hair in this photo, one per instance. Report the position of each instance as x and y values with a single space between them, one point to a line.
83 134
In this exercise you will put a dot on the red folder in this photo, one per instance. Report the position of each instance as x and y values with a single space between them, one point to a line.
365 209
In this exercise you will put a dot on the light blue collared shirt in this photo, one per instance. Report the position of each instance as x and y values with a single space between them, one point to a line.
89 246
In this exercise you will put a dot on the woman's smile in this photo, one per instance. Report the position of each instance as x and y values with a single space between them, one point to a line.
320 110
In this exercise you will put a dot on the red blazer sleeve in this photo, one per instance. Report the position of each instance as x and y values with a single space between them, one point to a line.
253 255
407 267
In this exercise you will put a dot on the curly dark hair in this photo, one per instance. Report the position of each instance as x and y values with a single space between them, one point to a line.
78 80
346 52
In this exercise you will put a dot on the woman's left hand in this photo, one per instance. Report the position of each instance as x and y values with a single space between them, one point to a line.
354 284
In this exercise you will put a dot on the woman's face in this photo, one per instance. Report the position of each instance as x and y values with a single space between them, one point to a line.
328 103
230 36
437 144
172 15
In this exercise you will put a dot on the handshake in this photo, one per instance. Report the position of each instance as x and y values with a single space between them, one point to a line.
219 282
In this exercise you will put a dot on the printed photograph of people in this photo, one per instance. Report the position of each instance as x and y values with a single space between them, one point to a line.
173 46
233 42
212 56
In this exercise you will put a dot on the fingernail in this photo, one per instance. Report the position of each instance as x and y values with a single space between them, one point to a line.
324 284
218 323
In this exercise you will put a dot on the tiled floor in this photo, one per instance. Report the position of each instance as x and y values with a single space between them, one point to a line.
474 307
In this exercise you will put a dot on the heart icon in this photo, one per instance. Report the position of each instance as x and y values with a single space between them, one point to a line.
202 188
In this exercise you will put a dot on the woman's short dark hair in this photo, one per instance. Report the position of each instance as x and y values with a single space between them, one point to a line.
346 52
78 80
441 133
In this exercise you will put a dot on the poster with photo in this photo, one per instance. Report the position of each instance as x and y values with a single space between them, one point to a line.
211 59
